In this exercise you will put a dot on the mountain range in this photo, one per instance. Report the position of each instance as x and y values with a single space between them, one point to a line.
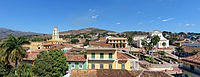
4 33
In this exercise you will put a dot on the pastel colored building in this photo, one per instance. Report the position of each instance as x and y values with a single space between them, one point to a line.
34 45
76 62
108 58
118 42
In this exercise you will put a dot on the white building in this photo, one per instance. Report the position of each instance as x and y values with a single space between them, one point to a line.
160 43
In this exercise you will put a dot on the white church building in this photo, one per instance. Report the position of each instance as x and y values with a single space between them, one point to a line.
160 43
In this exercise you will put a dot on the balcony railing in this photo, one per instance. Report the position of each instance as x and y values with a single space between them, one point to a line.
116 42
100 59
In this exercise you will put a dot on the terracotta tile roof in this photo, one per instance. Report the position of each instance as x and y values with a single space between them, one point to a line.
75 57
106 45
190 49
123 56
115 73
101 49
77 49
81 41
31 56
67 45
96 43
192 60
102 38
55 26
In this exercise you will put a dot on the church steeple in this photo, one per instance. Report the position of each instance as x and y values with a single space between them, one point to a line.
55 35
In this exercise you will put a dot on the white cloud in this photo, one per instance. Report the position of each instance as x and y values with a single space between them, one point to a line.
187 24
169 19
139 23
94 16
91 10
87 17
118 23
190 24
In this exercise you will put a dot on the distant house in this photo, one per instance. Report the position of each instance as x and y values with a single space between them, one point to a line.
118 42
116 73
76 62
191 66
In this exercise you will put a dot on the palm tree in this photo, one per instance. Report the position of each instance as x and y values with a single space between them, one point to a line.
13 50
154 40
144 44
149 47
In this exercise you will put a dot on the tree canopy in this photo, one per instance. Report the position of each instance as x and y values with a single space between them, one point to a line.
52 63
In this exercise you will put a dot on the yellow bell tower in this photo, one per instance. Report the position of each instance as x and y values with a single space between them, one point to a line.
55 35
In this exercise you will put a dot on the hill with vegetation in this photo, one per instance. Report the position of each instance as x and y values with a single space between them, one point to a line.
4 33
86 30
134 33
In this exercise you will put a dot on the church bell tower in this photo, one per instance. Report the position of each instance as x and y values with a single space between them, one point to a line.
55 35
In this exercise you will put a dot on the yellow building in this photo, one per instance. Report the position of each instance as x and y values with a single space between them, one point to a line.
34 45
47 44
108 58
117 42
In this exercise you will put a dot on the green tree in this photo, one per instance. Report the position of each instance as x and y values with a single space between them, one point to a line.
144 45
130 40
149 47
86 42
74 41
59 67
24 70
179 50
43 65
50 64
154 40
13 50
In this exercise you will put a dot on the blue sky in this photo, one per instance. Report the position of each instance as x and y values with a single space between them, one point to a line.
116 15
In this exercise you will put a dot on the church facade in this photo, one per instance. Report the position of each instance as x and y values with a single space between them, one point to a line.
160 43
